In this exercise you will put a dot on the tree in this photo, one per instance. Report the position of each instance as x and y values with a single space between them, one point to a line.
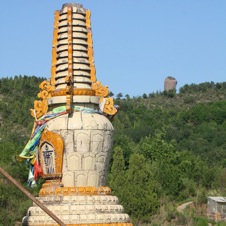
111 94
140 199
156 147
119 95
117 174
127 96
127 147
169 177
145 96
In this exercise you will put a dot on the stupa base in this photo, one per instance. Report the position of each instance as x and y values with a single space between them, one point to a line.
78 206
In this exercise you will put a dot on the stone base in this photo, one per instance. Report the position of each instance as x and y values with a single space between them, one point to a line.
111 224
83 208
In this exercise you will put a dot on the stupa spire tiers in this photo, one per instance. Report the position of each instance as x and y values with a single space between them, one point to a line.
73 73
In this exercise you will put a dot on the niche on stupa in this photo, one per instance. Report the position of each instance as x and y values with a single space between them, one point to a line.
51 154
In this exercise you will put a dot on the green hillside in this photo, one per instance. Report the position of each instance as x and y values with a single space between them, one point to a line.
169 148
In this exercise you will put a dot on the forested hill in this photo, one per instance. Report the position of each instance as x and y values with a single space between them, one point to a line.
169 146
194 117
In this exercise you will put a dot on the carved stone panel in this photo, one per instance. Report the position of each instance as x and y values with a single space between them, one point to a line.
93 178
108 141
68 179
82 141
100 162
74 161
68 140
88 161
96 141
81 179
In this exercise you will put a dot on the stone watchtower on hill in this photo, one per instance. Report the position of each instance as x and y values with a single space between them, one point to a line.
170 83
70 145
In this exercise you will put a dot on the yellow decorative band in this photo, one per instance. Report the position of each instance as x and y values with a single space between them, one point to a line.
52 176
52 183
76 91
67 191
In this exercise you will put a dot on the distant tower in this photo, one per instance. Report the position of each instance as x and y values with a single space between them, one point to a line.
170 83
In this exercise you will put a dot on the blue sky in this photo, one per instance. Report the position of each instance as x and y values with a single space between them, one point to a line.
137 44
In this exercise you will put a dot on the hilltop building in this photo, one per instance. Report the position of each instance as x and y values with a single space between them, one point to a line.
170 83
